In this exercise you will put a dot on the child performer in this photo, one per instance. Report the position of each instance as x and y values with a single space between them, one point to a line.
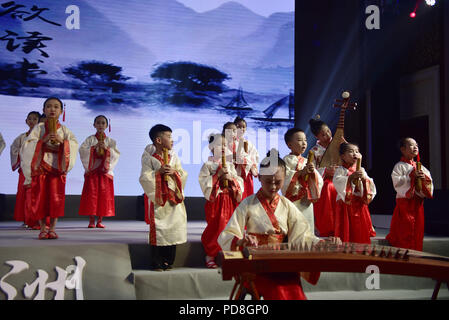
163 180
266 218
247 158
407 223
303 183
222 187
47 155
2 144
20 212
99 155
324 208
355 190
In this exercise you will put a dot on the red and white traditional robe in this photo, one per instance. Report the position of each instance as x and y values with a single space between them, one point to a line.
97 197
246 164
149 150
167 215
45 167
324 208
270 222
2 144
407 223
352 217
299 191
20 212
220 201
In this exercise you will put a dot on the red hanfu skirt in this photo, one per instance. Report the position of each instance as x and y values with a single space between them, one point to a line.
218 214
324 209
97 197
353 221
20 206
248 184
47 195
407 224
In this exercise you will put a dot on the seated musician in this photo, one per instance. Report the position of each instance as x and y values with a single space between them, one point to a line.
267 217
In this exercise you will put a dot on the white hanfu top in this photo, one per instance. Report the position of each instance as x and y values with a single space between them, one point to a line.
92 162
34 152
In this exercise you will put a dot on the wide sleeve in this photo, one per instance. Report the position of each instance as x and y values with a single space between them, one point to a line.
177 182
235 227
341 184
112 154
369 189
401 178
209 181
86 151
15 152
299 230
291 176
427 185
70 151
2 144
237 184
32 145
148 176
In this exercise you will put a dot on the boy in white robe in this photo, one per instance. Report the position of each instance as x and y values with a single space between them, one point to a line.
163 183
303 183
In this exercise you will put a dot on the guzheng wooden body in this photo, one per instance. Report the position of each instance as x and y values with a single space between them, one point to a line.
349 257
331 156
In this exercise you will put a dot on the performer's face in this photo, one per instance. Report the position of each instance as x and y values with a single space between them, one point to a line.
241 128
165 140
32 120
325 135
411 149
271 184
52 109
351 155
100 124
231 133
298 143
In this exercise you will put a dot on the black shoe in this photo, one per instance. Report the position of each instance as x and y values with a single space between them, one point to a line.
167 267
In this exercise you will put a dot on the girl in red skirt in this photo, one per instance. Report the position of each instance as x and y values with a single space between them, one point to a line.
221 200
407 223
47 155
355 190
20 212
247 158
99 155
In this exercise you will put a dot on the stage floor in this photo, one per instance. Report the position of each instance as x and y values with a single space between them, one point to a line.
75 231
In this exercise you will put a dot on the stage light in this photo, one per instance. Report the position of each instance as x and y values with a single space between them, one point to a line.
430 2
413 14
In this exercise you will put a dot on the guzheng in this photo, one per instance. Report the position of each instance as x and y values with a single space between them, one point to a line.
327 257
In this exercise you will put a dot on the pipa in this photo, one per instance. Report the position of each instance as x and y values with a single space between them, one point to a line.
331 156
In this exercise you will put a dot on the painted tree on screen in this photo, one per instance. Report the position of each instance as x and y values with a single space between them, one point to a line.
191 76
98 74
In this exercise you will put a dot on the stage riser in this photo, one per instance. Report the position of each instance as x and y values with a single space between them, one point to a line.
193 283
105 275
126 207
